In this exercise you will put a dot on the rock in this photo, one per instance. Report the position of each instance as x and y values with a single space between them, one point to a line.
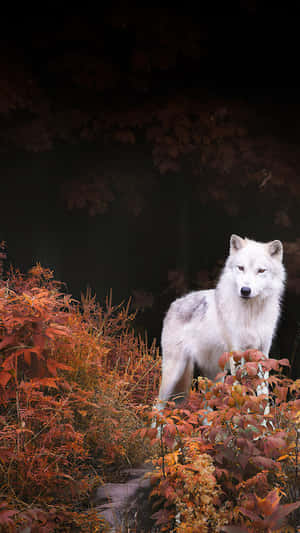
126 506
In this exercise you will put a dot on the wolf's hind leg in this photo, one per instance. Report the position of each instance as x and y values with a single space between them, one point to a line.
176 379
175 382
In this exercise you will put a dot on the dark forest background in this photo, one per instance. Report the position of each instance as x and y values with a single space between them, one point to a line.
135 141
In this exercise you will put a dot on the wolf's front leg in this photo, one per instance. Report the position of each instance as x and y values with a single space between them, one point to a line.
263 388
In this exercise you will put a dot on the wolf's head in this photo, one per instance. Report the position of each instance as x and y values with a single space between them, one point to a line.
255 268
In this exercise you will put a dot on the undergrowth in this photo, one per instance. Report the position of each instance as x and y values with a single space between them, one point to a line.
71 377
225 464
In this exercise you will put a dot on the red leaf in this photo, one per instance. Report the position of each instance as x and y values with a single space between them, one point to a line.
274 444
237 356
152 433
251 369
169 441
10 339
254 355
161 517
5 516
250 514
39 340
269 504
265 462
142 432
225 357
281 393
4 378
284 362
270 364
170 429
284 510
220 376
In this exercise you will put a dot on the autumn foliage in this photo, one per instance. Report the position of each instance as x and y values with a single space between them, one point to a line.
75 383
70 377
224 464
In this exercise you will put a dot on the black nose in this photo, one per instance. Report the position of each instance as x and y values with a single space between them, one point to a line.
245 292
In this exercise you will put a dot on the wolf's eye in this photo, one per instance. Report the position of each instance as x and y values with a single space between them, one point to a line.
241 268
261 270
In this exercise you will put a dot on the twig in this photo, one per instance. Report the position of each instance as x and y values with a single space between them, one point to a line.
162 453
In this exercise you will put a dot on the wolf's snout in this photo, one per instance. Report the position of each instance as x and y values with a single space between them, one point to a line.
245 292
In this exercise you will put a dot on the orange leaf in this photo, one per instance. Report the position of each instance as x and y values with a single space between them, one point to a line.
62 366
44 382
56 330
9 362
51 365
27 357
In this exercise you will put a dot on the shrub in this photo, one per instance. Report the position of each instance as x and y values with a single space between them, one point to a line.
238 468
71 376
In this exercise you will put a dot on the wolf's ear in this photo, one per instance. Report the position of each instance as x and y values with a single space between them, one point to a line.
236 243
275 249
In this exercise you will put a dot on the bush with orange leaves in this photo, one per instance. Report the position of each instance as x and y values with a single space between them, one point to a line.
71 376
224 463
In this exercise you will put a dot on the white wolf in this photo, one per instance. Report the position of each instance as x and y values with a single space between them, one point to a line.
241 313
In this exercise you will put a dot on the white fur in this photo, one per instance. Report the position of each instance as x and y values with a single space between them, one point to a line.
202 325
